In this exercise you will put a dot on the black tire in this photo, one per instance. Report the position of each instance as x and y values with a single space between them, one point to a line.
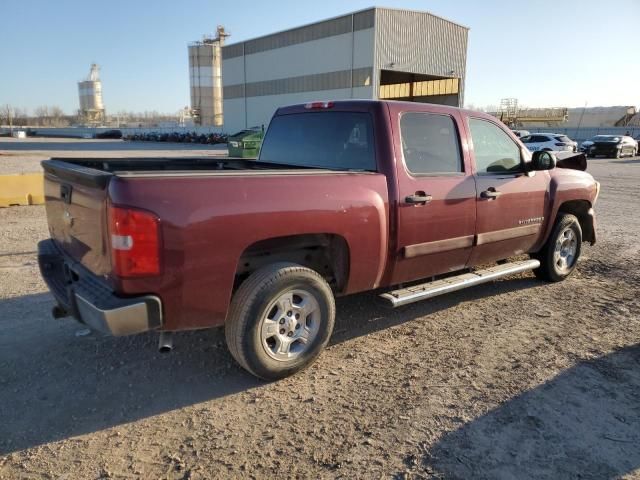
248 312
549 269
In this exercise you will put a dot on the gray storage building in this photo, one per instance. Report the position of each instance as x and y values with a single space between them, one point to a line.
369 54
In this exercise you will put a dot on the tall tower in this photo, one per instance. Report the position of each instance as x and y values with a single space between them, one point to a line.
205 78
92 110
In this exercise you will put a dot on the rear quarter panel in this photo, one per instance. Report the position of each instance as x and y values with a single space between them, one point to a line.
209 221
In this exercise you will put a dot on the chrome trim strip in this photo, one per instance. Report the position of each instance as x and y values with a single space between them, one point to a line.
439 246
427 290
508 233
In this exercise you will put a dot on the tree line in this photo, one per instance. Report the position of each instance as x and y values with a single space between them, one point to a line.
54 116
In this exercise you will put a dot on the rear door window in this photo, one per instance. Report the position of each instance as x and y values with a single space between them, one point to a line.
333 140
430 143
494 150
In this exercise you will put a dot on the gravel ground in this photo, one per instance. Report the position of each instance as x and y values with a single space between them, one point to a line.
513 379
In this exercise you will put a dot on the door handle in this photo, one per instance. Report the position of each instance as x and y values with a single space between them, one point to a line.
490 193
418 198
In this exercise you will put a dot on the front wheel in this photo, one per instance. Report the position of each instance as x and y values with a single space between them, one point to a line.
559 256
280 319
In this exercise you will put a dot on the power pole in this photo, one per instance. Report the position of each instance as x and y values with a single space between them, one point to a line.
10 114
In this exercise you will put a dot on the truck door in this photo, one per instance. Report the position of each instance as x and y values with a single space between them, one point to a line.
436 209
511 203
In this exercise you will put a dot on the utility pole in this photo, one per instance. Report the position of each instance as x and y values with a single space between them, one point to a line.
10 115
580 121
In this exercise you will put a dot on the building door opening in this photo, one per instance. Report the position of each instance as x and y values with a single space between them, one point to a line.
415 87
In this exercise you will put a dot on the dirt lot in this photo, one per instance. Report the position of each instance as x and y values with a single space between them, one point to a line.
514 379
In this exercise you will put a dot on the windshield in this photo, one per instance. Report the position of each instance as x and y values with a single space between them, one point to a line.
608 138
321 139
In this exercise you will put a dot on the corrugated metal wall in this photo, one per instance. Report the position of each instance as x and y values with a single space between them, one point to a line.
418 42
307 33
339 58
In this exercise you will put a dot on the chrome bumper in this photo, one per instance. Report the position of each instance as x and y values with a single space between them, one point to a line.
82 295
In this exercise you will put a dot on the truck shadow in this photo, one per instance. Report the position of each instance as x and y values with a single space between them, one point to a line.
584 423
365 313
57 382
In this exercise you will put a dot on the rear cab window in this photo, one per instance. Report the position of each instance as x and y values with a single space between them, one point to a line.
494 151
430 143
334 140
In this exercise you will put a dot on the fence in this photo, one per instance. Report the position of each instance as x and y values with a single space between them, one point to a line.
82 132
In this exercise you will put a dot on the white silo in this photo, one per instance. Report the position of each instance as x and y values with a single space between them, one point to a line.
90 92
205 78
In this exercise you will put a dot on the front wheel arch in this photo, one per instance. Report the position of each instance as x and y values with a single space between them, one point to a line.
559 255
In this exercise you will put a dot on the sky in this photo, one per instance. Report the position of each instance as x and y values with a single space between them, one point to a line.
544 53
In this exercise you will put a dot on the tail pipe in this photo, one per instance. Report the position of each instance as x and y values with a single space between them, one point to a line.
165 344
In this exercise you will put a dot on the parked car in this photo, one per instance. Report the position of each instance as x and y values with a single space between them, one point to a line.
113 134
549 142
345 197
613 146
246 143
584 146
521 133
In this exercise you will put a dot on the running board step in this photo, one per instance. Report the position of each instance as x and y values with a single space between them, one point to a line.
404 296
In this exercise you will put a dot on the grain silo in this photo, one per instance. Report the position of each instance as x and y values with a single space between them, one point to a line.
90 92
205 78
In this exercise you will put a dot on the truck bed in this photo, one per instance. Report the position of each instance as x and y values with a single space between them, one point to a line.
103 168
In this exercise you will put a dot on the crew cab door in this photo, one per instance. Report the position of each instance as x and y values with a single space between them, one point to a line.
511 203
436 209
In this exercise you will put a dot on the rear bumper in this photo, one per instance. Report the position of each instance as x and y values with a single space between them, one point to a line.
84 296
603 151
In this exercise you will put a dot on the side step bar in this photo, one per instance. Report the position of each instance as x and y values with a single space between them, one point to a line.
404 296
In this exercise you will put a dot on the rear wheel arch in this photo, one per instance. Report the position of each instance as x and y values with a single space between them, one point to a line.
328 254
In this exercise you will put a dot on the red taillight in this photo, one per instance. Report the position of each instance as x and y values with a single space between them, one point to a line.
319 105
135 242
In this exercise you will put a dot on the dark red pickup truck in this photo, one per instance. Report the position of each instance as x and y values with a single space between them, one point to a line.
344 197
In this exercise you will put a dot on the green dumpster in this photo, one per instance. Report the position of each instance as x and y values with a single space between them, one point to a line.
245 144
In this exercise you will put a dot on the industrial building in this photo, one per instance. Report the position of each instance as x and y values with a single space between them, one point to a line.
92 111
378 53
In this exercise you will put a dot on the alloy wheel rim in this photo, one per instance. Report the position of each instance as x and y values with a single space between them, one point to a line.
564 255
290 324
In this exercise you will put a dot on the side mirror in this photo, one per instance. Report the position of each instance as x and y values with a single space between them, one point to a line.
543 160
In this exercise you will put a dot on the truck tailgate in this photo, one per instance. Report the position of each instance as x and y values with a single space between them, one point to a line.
76 206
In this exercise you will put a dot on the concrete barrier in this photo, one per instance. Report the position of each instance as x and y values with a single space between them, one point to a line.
21 189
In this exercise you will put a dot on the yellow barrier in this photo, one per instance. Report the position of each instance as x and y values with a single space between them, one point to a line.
21 189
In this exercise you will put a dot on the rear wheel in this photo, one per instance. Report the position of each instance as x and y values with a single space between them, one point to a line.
559 256
280 319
